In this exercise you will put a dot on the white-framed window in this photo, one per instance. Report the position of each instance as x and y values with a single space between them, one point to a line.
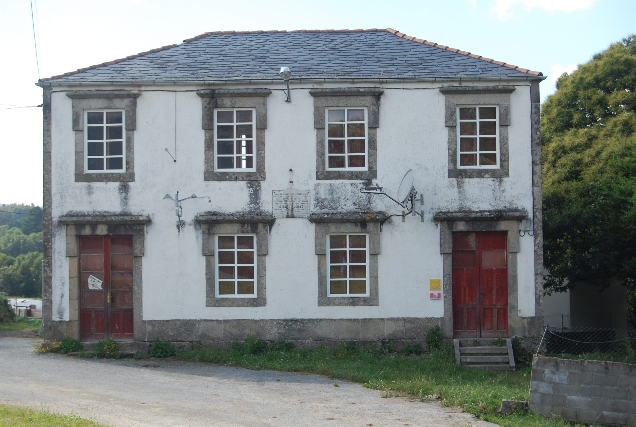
235 264
234 139
347 142
478 137
347 265
105 141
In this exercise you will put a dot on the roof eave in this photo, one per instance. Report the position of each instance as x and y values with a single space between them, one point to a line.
51 83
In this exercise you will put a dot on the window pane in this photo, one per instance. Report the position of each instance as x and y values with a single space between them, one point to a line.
358 241
95 118
357 271
468 128
226 242
95 148
338 272
338 287
113 117
224 147
95 164
356 161
335 116
114 148
358 256
487 112
114 132
95 133
336 131
225 116
358 287
244 147
244 162
246 288
336 161
337 257
467 113
468 160
245 257
336 146
244 116
245 272
226 272
356 145
355 115
467 144
355 130
225 163
487 144
338 241
225 132
487 128
115 163
245 242
226 257
226 288
489 159
244 131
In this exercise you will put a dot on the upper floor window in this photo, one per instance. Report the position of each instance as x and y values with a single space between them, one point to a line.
346 139
234 140
478 136
105 141
104 123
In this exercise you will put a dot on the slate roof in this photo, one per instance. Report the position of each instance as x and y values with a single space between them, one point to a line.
216 57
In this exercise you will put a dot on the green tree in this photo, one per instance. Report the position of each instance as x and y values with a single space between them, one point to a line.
32 221
23 276
589 173
14 242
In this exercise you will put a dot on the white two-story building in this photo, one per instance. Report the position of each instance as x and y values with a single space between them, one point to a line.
292 234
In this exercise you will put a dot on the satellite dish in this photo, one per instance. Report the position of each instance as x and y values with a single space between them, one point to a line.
404 192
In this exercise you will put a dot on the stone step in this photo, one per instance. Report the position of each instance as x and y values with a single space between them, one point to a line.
483 350
501 367
484 359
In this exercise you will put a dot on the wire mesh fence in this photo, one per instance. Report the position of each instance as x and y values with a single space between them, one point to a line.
617 345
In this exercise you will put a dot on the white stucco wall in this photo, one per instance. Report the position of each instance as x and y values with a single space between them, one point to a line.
412 135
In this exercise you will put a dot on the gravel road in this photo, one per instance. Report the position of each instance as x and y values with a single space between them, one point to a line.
155 392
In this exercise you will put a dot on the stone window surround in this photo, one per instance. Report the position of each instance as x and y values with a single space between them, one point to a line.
347 97
104 100
477 221
101 225
234 98
457 96
340 224
215 224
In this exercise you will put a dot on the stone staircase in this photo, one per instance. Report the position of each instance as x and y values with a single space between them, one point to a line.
485 353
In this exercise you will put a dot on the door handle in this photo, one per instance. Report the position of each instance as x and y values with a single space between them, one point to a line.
108 298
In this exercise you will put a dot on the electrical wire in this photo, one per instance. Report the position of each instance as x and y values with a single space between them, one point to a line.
35 44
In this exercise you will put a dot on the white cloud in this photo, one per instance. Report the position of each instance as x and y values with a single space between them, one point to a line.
503 8
557 70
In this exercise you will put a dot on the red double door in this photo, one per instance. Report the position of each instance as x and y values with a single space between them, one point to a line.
106 287
480 284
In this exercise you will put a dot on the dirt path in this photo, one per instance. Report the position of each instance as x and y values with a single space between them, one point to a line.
174 393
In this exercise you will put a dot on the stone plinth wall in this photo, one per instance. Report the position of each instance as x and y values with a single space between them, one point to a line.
584 391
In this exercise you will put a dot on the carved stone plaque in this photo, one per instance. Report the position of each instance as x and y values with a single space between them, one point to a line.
290 203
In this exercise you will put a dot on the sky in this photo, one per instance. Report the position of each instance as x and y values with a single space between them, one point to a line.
551 36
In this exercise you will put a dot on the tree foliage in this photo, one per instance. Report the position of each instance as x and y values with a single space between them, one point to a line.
589 172
21 250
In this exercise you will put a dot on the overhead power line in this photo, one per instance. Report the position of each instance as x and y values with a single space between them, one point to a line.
35 44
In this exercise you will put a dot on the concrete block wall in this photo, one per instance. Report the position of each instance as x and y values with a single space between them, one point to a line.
584 391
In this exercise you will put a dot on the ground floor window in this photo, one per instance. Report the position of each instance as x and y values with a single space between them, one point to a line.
236 266
348 266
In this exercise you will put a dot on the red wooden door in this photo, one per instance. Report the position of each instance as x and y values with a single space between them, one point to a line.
480 285
106 287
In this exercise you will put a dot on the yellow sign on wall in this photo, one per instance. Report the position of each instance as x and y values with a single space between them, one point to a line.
436 284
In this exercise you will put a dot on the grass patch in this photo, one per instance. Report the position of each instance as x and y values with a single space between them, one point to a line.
18 417
433 374
22 324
